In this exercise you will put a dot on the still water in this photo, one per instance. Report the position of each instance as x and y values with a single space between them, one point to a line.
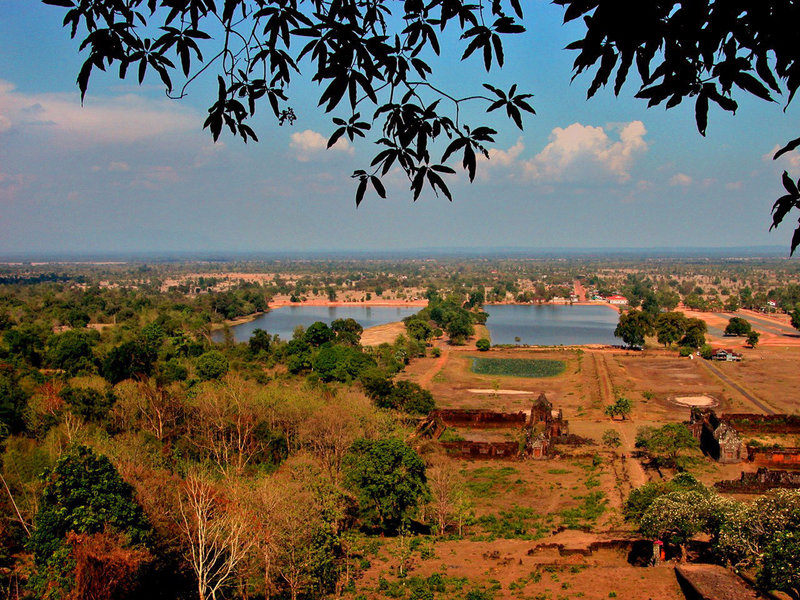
551 324
283 320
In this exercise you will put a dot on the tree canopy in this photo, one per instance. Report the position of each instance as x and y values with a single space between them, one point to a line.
371 61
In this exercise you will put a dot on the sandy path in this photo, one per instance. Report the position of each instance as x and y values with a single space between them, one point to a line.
428 376
636 473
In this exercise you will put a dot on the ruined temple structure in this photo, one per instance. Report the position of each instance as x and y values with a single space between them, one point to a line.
545 416
717 438
761 481
543 427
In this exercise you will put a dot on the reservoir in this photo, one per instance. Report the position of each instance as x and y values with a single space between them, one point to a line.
552 324
535 325
283 320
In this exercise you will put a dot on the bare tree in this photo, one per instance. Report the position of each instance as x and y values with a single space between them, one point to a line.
226 416
446 485
216 531
329 433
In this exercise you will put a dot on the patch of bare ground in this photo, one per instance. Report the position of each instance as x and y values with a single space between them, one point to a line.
770 373
387 333
560 567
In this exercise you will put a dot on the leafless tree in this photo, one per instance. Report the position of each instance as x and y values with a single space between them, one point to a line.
216 532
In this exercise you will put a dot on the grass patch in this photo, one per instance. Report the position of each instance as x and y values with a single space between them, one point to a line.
518 367
594 505
488 482
516 523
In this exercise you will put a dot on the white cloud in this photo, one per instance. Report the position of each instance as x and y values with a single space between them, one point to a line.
790 160
102 120
118 166
506 158
733 185
578 153
308 144
681 179
578 148
154 178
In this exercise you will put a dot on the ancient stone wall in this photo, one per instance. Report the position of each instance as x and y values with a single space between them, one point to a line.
480 419
755 423
467 449
761 481
772 457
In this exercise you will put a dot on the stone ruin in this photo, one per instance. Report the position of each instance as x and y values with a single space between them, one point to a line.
762 480
720 438
543 426
716 437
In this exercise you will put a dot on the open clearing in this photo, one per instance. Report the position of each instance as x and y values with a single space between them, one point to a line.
701 400
524 511
501 392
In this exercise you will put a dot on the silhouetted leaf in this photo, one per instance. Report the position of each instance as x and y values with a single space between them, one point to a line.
787 148
789 184
701 112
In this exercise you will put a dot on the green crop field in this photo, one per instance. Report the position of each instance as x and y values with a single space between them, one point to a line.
518 367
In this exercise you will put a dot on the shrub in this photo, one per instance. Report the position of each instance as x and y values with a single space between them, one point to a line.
212 365
483 344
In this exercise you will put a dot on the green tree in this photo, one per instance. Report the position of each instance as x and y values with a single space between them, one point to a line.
318 333
13 400
88 403
212 365
128 360
459 327
780 566
388 480
411 398
670 327
666 441
640 499
795 317
376 383
419 329
260 341
348 331
737 326
483 344
677 517
633 326
695 334
72 351
83 494
752 338
621 408
341 363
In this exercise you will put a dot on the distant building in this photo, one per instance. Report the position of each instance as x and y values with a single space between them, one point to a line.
727 355
617 299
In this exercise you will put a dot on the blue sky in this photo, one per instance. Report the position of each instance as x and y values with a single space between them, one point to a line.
133 171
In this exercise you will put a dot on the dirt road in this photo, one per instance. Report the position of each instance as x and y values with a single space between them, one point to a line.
716 371
437 366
